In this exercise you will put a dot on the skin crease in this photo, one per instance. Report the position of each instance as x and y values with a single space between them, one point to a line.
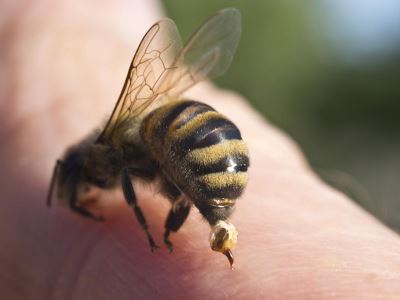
62 65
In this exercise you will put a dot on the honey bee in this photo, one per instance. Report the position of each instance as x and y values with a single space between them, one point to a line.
196 153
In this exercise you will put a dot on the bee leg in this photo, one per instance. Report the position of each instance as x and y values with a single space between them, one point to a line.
85 213
81 210
130 197
74 203
176 217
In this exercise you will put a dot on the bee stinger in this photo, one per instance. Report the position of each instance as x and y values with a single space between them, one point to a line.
196 152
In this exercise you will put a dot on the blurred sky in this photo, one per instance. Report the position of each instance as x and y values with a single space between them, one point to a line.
364 28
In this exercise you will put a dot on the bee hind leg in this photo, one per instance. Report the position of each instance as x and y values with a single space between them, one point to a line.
176 217
177 214
130 197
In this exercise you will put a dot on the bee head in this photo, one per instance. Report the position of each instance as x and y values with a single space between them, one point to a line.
223 238
66 176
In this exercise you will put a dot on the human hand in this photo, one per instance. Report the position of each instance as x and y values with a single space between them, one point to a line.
63 65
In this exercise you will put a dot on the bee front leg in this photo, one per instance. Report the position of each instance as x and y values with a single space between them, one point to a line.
85 213
74 205
176 217
130 197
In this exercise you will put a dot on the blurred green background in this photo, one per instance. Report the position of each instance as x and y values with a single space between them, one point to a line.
327 72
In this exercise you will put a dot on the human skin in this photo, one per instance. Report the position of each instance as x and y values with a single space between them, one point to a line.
62 65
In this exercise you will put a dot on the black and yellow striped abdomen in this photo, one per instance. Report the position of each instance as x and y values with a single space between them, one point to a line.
201 151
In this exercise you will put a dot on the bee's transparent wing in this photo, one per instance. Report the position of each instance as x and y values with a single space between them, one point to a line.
207 54
155 56
161 70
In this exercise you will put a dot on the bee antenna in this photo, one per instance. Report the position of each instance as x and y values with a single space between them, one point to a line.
53 182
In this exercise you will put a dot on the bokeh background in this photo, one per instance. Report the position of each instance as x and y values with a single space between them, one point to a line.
327 72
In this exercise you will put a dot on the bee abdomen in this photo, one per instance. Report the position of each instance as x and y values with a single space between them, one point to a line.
220 170
164 120
202 150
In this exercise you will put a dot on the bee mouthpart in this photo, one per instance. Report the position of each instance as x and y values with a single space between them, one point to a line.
223 238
